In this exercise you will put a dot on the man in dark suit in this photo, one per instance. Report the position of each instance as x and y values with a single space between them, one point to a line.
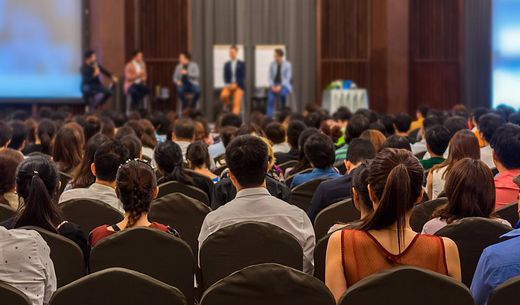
330 192
91 84
235 80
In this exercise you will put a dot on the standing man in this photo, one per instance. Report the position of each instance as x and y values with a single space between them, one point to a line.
91 84
280 76
186 78
235 80
135 78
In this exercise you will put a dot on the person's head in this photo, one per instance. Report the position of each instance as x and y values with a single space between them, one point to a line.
402 123
107 159
294 130
91 127
276 133
184 130
360 195
31 126
514 118
422 111
134 146
136 187
124 131
9 161
342 116
247 160
148 137
455 123
397 142
227 134
320 151
376 137
45 133
169 160
437 140
84 177
332 129
506 147
278 55
230 119
388 122
137 55
464 144
67 150
37 183
90 56
477 114
251 129
203 132
358 151
488 124
108 128
197 155
395 186
184 58
357 124
6 133
19 137
233 52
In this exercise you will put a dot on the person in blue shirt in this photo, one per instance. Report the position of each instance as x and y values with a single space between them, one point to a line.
280 76
319 150
498 263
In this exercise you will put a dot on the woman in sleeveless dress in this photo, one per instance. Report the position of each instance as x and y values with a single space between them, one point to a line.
385 240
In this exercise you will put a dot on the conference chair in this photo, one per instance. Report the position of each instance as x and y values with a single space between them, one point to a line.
90 214
422 213
340 212
207 180
219 170
64 180
301 195
407 286
244 244
289 164
290 178
182 213
6 212
472 235
271 284
320 255
509 213
506 293
118 286
12 296
67 257
172 187
341 167
149 251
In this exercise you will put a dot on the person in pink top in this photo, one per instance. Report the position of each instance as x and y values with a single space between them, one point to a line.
506 155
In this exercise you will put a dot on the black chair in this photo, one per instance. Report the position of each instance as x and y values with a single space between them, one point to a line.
407 286
509 213
6 212
472 235
422 213
340 212
12 296
68 260
290 178
244 244
149 251
506 293
284 166
64 179
420 155
320 255
268 284
90 214
219 170
301 195
188 190
341 167
207 180
118 286
182 213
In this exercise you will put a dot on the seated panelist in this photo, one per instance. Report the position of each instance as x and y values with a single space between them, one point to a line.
235 80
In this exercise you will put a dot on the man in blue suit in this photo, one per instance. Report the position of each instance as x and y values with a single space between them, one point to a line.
280 76
235 80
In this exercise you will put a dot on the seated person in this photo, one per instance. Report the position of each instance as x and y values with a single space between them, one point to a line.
19 137
33 275
437 140
329 192
402 124
356 126
277 135
183 134
303 162
294 130
186 78
247 159
280 77
134 146
488 124
419 147
385 239
9 161
471 193
397 142
506 152
319 150
376 137
136 187
197 157
83 177
107 159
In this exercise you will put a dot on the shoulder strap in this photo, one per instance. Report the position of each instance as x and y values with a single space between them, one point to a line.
115 228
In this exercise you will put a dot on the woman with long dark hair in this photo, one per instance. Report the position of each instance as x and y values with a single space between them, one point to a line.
67 149
44 135
83 177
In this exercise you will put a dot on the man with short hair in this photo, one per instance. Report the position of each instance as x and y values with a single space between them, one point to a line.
91 84
488 124
420 146
183 134
6 133
402 124
280 77
235 80
19 136
107 159
332 191
277 135
356 125
437 140
247 160
186 78
294 131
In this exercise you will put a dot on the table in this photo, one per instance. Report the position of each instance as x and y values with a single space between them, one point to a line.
354 99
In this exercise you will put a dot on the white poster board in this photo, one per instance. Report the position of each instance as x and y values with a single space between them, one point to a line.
220 57
264 56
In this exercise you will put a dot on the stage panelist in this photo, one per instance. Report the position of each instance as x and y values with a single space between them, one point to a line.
186 78
235 80
280 76
135 78
91 84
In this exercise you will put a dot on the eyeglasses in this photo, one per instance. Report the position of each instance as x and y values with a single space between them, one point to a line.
138 161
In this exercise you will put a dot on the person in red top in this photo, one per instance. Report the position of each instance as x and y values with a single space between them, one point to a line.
136 187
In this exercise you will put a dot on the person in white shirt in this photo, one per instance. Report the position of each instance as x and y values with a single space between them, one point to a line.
135 80
247 160
183 134
25 264
487 125
277 135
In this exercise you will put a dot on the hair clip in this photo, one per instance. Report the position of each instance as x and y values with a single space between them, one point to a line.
35 173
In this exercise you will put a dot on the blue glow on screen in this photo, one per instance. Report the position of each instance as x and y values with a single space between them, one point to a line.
506 52
40 48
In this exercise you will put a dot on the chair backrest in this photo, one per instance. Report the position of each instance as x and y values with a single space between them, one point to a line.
12 296
64 179
343 211
291 163
268 284
244 244
68 260
290 178
6 212
505 293
341 167
207 180
219 170
149 251
172 187
472 235
90 214
320 254
407 286
118 286
509 213
422 213
301 195
182 213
